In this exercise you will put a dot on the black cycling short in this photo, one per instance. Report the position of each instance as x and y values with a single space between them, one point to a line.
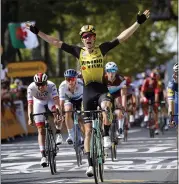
76 103
161 96
93 94
150 96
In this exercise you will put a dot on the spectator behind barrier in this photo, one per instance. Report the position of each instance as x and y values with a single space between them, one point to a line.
6 96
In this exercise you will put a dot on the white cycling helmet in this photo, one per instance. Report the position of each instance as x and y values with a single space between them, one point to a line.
40 78
175 67
111 66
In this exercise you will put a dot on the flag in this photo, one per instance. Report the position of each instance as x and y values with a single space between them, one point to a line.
21 37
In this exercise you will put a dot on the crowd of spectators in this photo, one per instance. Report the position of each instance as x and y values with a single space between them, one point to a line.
11 89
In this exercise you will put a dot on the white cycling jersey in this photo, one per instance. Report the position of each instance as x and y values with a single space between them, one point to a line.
131 90
39 100
66 94
34 93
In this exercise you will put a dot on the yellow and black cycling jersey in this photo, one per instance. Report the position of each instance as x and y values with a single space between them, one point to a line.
91 64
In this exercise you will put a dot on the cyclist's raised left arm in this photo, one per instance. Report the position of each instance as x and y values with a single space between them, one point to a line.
128 32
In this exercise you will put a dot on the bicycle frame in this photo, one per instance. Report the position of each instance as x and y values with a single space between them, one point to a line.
50 145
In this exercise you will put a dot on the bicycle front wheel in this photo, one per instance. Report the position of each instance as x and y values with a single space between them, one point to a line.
51 152
113 139
94 156
101 158
77 145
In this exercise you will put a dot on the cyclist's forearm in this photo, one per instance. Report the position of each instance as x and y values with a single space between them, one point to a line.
142 94
124 101
124 97
170 106
62 104
57 104
30 109
128 32
54 41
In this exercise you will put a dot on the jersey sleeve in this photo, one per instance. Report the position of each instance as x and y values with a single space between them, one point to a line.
54 91
107 46
71 49
170 91
29 95
144 86
62 91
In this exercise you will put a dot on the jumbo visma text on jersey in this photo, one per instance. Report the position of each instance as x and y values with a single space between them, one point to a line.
92 66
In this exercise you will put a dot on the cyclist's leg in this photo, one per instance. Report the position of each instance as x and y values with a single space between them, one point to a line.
155 106
176 113
78 104
51 107
119 116
145 108
88 104
105 101
38 107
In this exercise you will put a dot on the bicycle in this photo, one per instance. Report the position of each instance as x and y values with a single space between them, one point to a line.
161 118
96 144
151 121
171 122
114 138
125 128
77 143
50 147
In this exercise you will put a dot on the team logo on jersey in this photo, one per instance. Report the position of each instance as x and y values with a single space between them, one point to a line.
96 63
170 92
83 68
41 95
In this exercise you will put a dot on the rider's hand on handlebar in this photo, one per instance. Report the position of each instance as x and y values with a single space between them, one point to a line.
30 123
144 99
172 124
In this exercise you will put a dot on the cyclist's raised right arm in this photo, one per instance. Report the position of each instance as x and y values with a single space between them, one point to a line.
51 40
54 41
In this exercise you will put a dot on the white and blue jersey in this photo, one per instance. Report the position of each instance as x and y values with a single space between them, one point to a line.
172 91
66 94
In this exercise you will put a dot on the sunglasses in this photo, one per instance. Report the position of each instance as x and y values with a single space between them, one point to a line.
41 84
70 79
88 36
111 71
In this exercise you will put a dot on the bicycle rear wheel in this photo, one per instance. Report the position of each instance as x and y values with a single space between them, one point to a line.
101 158
77 145
125 128
113 140
51 152
95 156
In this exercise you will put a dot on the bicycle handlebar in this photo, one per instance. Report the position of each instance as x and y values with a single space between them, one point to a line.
42 113
89 111
162 102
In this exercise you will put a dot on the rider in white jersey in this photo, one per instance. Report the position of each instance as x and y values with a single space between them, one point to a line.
70 93
42 93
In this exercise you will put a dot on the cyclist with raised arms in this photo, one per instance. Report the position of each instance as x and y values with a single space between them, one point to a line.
91 62
172 93
70 93
117 87
42 94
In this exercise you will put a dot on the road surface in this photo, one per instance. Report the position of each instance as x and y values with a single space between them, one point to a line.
140 160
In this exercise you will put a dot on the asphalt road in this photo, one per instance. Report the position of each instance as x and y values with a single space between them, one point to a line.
140 160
